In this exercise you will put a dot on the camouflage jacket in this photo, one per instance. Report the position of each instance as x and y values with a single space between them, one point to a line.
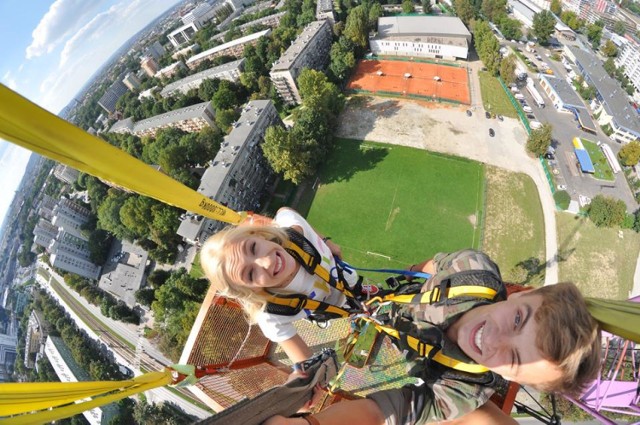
446 393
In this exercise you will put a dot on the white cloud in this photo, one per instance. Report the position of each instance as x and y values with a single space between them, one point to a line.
9 80
93 44
12 164
62 18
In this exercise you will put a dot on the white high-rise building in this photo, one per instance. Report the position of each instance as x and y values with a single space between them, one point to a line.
629 58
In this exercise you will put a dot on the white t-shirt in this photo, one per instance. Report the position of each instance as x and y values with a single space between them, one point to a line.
279 328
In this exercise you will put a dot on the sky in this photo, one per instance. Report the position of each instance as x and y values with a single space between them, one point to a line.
50 50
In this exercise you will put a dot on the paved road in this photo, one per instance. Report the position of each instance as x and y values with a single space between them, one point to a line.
447 129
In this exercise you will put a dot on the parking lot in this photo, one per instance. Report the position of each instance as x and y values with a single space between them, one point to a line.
564 163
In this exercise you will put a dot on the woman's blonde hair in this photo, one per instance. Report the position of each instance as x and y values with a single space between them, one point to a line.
213 257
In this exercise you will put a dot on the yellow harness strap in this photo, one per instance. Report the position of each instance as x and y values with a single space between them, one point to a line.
423 349
318 270
435 295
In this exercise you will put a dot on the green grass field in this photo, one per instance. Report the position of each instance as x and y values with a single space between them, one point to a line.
391 206
514 226
603 170
598 260
494 98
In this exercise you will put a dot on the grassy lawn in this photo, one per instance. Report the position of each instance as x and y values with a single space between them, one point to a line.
514 226
600 262
196 271
494 98
603 170
391 206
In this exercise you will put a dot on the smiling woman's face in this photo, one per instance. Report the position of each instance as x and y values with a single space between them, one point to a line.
502 337
256 263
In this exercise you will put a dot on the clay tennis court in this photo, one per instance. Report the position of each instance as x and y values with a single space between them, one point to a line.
435 81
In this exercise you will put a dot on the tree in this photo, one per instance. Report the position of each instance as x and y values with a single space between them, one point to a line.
605 211
610 66
594 34
540 140
556 7
572 20
562 198
109 215
407 6
226 117
145 296
464 10
493 9
342 59
427 7
375 12
508 69
207 89
510 28
630 153
226 96
543 26
287 155
619 28
609 49
356 28
318 93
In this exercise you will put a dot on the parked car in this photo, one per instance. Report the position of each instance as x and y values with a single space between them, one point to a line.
531 116
535 124
487 114
549 156
491 132
527 108
519 96
469 112
500 118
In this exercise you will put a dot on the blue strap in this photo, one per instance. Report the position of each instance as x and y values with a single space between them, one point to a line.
348 266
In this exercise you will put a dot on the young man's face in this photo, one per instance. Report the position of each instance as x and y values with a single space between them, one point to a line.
502 337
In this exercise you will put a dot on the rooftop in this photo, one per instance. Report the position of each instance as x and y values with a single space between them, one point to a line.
203 75
445 26
228 45
293 52
614 99
181 114
565 91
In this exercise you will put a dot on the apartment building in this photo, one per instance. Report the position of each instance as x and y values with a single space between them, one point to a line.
183 35
154 50
110 97
271 21
229 71
170 71
190 119
238 174
612 109
131 81
629 58
46 206
35 337
309 50
324 11
44 233
441 37
149 65
232 48
71 253
65 173
202 13
70 217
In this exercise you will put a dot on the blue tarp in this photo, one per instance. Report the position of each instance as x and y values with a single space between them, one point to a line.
585 161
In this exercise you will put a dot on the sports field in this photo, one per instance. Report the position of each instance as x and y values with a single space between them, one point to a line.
390 206
434 81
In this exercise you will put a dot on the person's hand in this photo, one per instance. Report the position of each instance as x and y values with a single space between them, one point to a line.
316 397
334 248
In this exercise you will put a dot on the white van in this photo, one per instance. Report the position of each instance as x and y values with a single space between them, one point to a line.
518 96
527 109
535 124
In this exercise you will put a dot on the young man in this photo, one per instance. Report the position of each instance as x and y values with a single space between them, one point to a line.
544 338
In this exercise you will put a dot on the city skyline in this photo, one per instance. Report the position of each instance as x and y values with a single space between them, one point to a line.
53 48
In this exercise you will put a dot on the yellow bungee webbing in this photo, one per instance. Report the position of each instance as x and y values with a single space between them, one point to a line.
27 400
30 126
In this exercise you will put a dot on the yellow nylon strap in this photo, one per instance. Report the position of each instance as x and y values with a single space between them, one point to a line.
31 396
423 349
457 291
26 124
